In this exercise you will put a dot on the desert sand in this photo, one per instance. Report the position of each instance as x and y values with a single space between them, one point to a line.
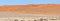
30 12
31 9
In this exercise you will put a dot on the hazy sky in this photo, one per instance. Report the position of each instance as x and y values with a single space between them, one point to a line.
12 2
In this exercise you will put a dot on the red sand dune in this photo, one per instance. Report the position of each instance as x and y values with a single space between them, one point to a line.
46 9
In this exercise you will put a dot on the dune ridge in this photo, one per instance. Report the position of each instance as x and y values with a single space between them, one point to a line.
45 9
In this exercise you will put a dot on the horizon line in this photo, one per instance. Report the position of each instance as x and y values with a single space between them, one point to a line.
21 4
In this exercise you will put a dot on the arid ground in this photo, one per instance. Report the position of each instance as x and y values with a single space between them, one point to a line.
40 9
18 11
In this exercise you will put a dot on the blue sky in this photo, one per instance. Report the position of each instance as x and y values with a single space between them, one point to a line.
13 2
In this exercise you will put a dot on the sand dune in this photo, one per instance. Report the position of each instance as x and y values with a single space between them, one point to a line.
40 9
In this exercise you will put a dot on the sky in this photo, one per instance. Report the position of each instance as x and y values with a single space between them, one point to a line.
18 2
